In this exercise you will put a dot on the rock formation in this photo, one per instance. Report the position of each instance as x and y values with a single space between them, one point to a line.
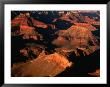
43 66
47 43
77 38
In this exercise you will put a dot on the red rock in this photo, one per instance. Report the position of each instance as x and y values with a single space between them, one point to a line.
23 19
95 73
60 41
45 65
38 23
20 20
28 32
77 37
35 49
91 21
24 27
86 25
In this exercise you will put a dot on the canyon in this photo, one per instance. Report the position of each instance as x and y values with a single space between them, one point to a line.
55 43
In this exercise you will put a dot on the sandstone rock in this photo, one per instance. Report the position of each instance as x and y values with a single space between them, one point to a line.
86 25
95 73
59 34
77 37
38 23
44 65
32 51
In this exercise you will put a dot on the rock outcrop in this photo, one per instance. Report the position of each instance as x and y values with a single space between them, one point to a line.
47 43
77 38
43 66
95 73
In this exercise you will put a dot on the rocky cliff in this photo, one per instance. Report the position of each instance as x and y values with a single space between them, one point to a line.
66 35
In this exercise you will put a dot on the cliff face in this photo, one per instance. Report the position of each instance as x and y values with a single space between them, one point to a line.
44 65
77 38
70 34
